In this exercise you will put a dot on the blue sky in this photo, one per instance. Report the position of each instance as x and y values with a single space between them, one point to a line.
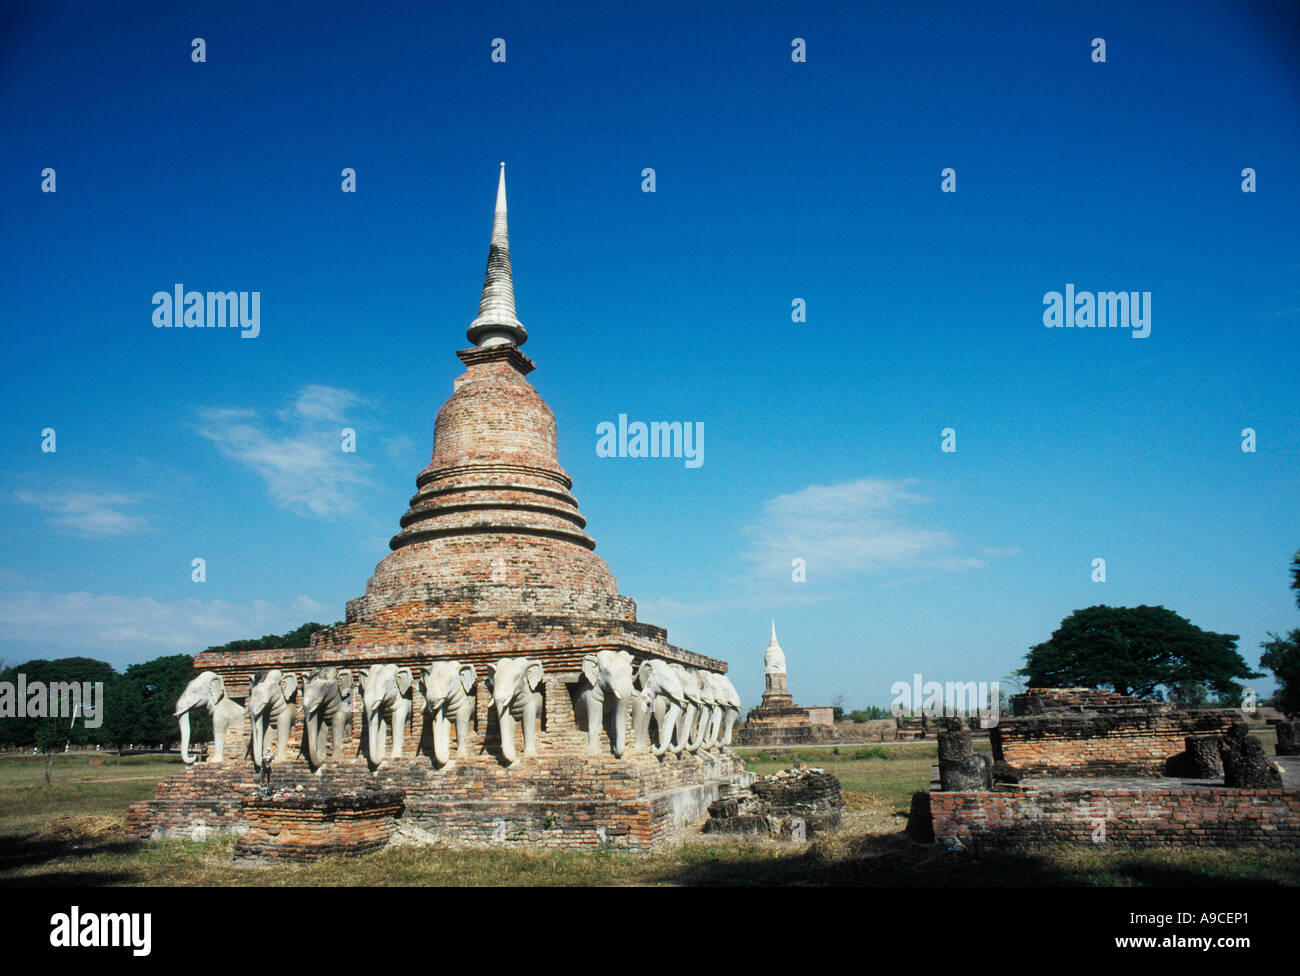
775 180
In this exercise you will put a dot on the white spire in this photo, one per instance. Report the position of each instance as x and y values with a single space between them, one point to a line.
496 323
774 658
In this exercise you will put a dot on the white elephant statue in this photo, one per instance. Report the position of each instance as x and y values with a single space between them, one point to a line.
513 683
690 725
607 688
731 708
271 699
660 696
326 702
386 700
448 689
208 691
714 695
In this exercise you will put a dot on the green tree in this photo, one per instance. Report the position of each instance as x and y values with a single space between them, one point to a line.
15 731
1282 656
299 637
146 701
1135 651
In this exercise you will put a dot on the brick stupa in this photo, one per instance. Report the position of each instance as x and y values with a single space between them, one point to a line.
492 560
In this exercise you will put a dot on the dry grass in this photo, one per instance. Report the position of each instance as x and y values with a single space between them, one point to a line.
42 842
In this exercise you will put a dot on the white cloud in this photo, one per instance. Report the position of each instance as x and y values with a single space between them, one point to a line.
86 513
298 454
124 629
851 529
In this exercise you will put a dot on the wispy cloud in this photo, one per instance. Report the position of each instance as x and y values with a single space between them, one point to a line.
852 529
296 451
125 629
86 513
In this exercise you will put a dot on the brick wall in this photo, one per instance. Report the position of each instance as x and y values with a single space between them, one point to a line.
1175 816
303 829
1085 732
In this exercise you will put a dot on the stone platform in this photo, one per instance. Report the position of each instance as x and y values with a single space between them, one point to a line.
634 803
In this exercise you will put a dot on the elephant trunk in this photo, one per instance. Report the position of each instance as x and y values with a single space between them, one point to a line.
184 719
700 726
375 737
314 752
666 728
441 737
683 728
255 740
506 723
620 726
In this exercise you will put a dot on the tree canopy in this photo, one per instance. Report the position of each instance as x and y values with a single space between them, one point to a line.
1282 656
1136 651
138 704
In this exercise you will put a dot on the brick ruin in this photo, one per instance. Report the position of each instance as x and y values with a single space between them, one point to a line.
492 561
1084 766
1085 732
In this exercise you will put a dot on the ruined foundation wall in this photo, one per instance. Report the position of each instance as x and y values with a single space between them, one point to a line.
1085 732
1173 816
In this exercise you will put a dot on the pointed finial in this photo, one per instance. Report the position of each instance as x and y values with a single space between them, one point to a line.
496 323
773 631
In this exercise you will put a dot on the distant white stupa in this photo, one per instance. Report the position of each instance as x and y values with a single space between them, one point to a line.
774 658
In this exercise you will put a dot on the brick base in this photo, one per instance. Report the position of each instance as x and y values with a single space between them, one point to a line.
636 803
309 828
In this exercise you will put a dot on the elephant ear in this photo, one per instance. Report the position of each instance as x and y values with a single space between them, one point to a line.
491 677
589 669
467 677
534 674
345 682
645 672
289 685
215 690
404 680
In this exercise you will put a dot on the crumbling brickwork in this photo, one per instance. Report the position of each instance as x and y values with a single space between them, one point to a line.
1085 732
307 828
1071 813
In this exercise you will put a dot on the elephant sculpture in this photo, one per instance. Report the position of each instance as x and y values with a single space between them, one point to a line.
689 726
271 700
208 691
660 696
386 699
513 683
448 689
730 708
326 701
606 689
715 708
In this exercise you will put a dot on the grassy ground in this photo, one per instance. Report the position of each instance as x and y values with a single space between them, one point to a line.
69 833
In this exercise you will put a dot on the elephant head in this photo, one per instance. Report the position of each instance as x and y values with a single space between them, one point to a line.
208 691
608 685
662 697
448 689
730 708
326 699
270 699
513 683
386 699
692 715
